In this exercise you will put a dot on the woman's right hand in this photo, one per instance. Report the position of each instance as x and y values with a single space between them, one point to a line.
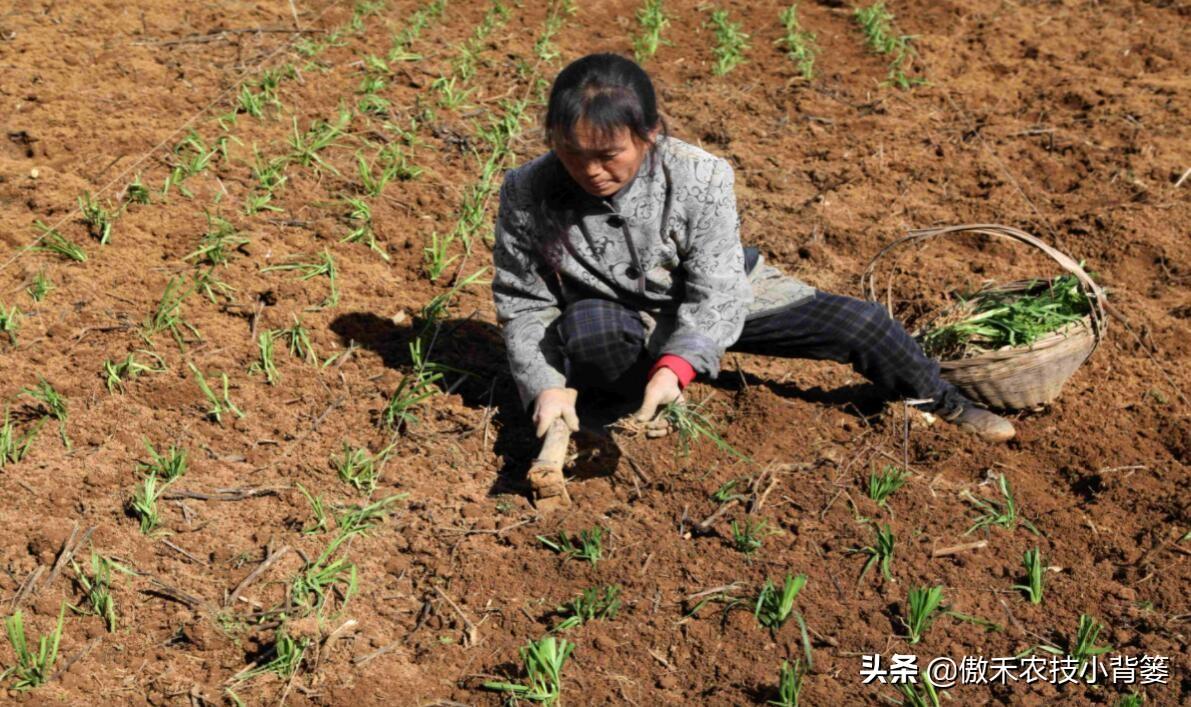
553 404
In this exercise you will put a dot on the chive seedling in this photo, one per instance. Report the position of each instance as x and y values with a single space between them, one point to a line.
325 267
98 587
32 669
773 607
1032 560
594 603
749 536
40 287
129 369
54 242
1083 647
218 406
144 503
798 43
995 513
266 364
587 545
98 219
318 508
881 486
789 684
169 466
52 404
652 18
359 469
730 43
136 192
543 661
879 552
13 446
10 322
922 605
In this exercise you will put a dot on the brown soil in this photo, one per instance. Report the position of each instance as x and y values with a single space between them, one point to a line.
1065 119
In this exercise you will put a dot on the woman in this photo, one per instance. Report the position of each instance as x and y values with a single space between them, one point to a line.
619 267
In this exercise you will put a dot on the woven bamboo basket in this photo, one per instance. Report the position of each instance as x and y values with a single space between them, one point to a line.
1019 377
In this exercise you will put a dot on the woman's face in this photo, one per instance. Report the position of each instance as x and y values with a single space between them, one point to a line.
603 164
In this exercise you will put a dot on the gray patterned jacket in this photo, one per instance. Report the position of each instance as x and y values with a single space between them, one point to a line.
666 245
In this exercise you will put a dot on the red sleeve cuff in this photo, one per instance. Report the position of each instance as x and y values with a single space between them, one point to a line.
682 369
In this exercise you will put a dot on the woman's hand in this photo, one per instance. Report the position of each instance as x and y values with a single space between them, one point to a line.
553 404
662 389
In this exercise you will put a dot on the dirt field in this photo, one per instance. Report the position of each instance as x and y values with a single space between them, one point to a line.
1066 119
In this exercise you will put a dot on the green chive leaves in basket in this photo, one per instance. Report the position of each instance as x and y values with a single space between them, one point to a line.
994 319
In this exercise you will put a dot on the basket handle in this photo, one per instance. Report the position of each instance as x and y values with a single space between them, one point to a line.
1093 291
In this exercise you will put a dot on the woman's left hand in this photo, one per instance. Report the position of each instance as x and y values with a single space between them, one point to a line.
662 389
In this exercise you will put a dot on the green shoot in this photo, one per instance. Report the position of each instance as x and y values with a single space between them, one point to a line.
877 24
218 406
587 545
52 404
881 486
798 43
924 696
54 242
359 469
922 605
358 520
414 388
40 287
730 43
310 589
594 603
269 175
1133 699
1032 559
299 341
266 364
995 513
217 243
881 551
318 508
372 182
136 192
748 537
435 256
98 219
10 322
360 216
32 669
450 95
287 657
98 587
167 316
305 147
1083 647
144 503
169 466
789 685
728 490
129 369
207 283
773 607
324 267
543 661
14 447
691 424
652 18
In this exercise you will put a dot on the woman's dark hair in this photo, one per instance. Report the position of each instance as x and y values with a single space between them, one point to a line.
607 92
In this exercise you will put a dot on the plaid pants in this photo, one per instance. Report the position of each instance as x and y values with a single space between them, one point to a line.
605 346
